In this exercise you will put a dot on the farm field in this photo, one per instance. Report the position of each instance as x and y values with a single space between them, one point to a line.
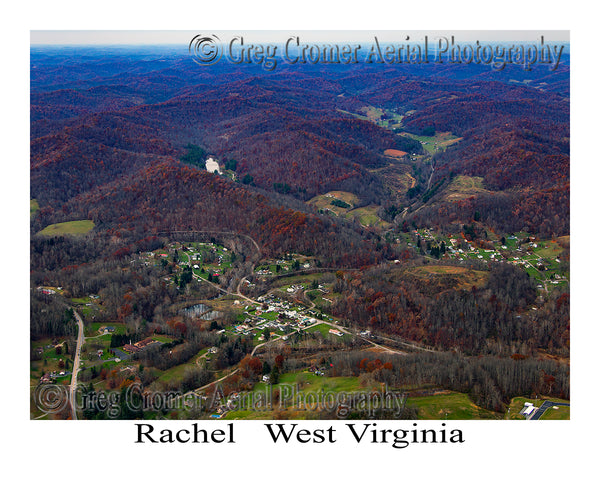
342 204
75 227
336 202
367 216
437 143
380 116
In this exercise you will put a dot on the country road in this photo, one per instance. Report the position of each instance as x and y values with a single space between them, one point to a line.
280 337
73 388
236 292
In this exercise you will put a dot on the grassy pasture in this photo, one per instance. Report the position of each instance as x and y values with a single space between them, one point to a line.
76 227
323 202
367 216
450 406
438 143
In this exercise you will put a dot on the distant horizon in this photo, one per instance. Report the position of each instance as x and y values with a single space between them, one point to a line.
124 38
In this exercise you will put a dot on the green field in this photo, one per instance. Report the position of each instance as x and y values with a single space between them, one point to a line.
305 280
324 329
176 373
517 403
91 330
76 227
323 202
34 206
367 216
557 413
269 315
305 382
437 143
548 250
450 406
375 114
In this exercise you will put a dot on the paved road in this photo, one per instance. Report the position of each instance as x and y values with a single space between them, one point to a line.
280 337
73 388
277 338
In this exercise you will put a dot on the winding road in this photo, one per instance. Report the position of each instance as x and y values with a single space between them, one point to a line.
277 337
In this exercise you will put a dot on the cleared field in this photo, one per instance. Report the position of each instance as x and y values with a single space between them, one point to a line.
323 328
76 227
564 241
372 113
396 176
93 329
438 143
448 276
383 118
305 382
442 270
367 216
557 413
323 202
450 406
463 187
517 403
34 206
548 250
305 280
390 152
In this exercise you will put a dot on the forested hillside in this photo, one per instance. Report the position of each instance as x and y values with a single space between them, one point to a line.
323 215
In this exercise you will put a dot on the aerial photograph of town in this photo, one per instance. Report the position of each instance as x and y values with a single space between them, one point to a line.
292 226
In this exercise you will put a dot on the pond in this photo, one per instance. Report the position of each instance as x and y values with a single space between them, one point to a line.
201 311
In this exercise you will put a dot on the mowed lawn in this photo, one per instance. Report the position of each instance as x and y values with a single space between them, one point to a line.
76 227
559 413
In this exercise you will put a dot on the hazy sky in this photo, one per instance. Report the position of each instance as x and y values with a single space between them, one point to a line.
153 37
